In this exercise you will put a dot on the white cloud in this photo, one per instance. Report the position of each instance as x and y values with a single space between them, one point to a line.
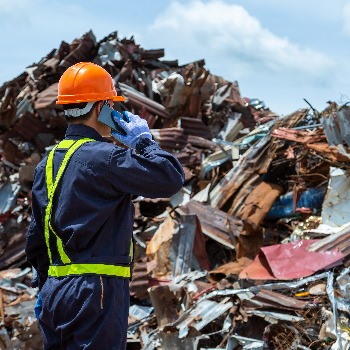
223 32
234 43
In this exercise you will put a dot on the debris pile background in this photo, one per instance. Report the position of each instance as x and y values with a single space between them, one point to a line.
251 253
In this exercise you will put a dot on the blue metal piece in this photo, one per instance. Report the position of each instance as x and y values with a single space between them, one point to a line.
283 208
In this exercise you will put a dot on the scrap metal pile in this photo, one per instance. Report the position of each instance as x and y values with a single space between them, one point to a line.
252 253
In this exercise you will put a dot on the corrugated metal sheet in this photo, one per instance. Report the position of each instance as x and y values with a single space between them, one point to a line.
200 142
204 106
23 107
29 126
170 138
274 316
337 241
299 135
331 129
215 223
152 54
140 100
268 298
196 127
47 98
202 314
343 116
254 162
8 195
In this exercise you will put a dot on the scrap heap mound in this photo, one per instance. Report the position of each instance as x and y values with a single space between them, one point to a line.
251 253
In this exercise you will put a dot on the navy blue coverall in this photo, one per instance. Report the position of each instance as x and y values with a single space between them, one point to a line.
93 215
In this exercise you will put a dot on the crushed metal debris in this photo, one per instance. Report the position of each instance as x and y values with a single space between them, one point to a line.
252 253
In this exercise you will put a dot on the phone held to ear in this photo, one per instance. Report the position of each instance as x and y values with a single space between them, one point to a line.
106 118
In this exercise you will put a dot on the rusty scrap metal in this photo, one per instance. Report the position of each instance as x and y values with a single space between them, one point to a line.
239 159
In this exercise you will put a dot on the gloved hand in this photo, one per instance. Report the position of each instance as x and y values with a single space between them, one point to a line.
38 306
135 128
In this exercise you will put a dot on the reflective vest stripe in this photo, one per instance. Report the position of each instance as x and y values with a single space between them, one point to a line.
49 175
70 268
89 269
51 188
64 144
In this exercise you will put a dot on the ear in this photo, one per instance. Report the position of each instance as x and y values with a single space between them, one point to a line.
99 107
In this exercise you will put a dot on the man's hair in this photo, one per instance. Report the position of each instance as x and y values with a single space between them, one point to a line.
81 118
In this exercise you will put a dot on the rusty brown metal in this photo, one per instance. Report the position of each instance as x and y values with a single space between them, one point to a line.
331 153
184 247
29 126
268 298
337 241
140 100
258 203
170 138
47 98
165 305
195 127
254 162
215 223
299 135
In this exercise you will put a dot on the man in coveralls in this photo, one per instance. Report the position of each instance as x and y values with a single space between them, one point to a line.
79 239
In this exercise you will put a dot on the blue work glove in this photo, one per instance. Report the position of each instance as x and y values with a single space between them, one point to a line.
38 306
134 128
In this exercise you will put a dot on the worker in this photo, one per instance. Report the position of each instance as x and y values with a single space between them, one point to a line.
80 236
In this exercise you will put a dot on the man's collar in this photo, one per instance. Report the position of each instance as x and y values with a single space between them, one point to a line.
78 131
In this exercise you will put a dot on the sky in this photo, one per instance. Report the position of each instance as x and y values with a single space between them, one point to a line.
279 51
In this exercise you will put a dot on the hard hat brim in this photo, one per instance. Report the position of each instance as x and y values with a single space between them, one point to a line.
68 99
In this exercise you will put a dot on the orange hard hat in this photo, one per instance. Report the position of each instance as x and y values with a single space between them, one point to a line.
86 82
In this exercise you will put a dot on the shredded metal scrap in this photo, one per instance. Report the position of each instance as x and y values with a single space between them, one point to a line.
253 180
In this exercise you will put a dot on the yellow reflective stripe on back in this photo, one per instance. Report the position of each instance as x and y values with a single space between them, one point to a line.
51 191
92 269
65 144
49 170
64 257
49 184
63 166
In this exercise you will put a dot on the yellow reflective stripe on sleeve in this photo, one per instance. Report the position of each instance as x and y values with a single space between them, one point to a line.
51 188
86 269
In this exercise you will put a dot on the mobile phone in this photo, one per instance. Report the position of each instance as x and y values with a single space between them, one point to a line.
106 118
